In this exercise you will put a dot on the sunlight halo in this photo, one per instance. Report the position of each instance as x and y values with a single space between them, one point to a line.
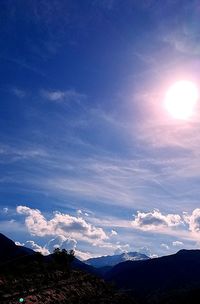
181 99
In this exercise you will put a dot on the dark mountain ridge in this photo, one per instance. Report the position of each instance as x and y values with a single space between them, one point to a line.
9 250
160 275
51 279
171 279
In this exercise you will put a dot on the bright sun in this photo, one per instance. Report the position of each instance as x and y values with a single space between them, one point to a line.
181 99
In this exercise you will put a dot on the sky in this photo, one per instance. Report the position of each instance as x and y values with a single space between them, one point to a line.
90 159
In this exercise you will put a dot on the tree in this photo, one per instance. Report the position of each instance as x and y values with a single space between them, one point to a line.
63 258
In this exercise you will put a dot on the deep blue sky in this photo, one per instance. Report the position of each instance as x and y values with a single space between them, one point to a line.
89 158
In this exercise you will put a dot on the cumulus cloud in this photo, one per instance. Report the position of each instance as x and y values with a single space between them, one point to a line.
59 96
36 247
32 245
61 242
155 219
61 224
193 220
177 243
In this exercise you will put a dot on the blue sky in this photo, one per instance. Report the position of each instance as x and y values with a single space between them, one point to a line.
89 157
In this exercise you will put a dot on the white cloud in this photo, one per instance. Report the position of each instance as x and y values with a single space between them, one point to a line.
5 210
36 247
59 96
121 248
165 246
154 256
58 242
19 244
61 242
147 251
61 224
113 232
32 245
83 255
193 220
155 219
13 153
177 243
79 212
183 39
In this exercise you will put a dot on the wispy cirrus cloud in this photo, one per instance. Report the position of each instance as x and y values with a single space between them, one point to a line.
11 153
18 92
62 96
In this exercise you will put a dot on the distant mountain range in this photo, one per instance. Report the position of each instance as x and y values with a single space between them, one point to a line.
112 260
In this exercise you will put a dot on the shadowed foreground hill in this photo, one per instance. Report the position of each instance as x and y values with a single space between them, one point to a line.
51 279
55 287
169 279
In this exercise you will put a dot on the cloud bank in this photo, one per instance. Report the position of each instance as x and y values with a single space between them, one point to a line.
155 219
61 224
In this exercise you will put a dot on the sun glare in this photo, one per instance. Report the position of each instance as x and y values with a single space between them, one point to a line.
181 99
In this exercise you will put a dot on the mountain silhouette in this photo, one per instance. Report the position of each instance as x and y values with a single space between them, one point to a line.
164 275
9 250
172 279
56 278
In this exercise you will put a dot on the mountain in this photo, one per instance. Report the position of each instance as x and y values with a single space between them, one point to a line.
9 250
112 260
177 275
173 279
51 279
77 264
